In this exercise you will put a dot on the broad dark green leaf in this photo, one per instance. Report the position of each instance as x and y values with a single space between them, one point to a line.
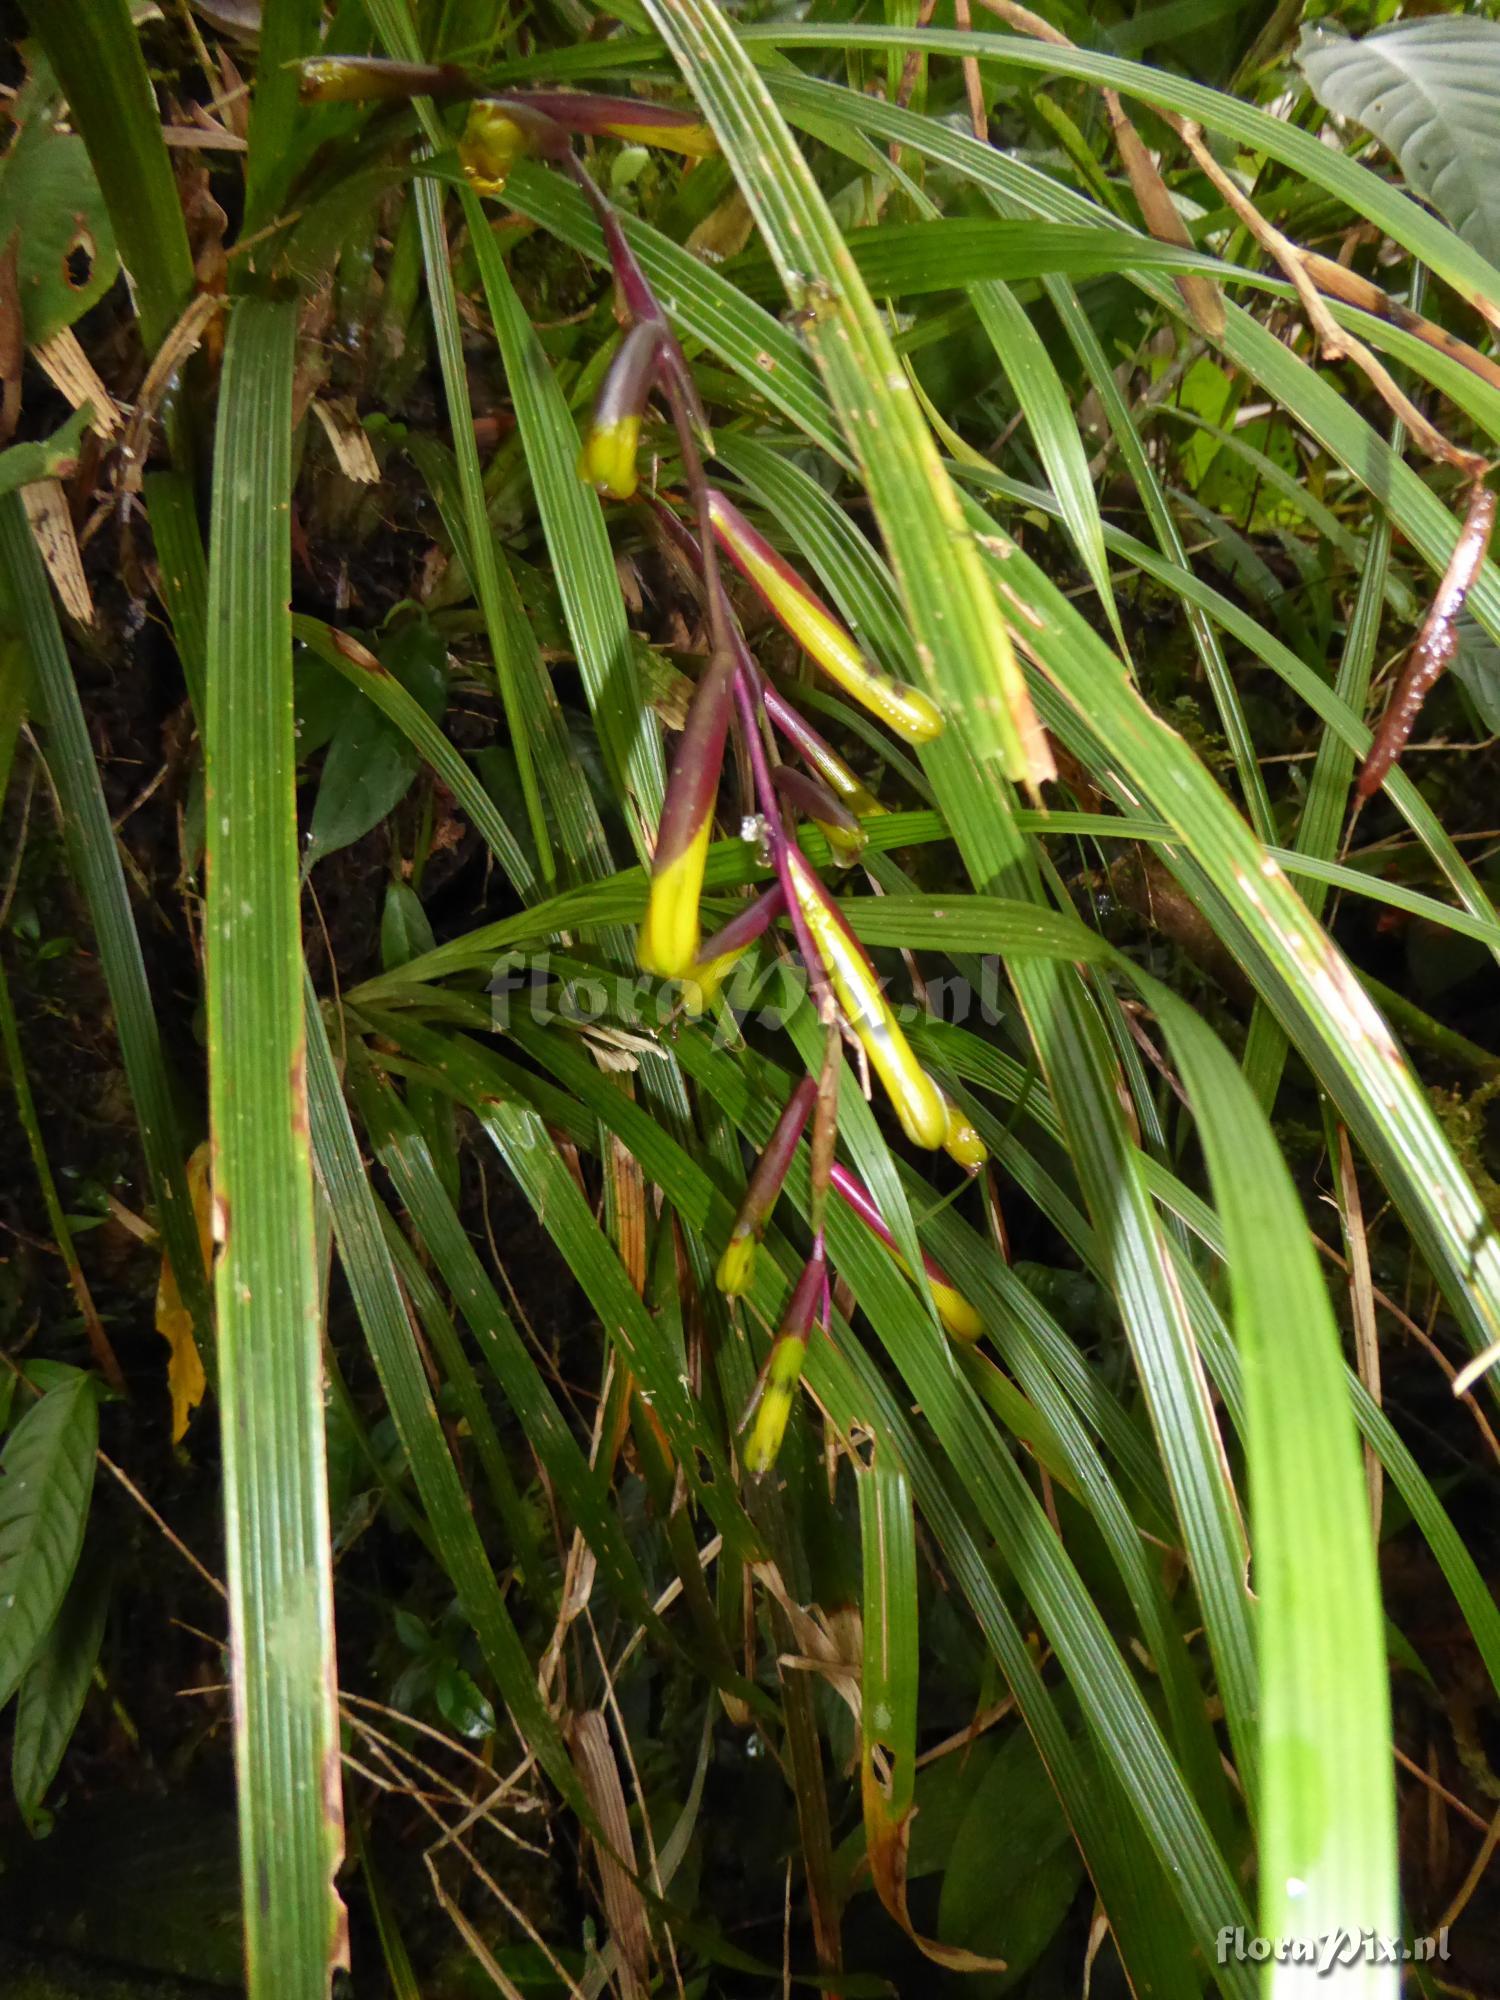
405 932
50 200
93 47
1013 1831
1430 92
367 773
46 1477
55 1686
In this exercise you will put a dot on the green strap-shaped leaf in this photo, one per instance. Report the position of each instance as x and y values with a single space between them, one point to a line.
393 21
1365 193
271 1378
578 544
403 1153
382 1312
1327 1820
95 862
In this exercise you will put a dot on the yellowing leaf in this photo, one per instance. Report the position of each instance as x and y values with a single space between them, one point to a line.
185 1378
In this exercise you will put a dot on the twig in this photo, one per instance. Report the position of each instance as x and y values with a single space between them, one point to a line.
1435 646
1336 343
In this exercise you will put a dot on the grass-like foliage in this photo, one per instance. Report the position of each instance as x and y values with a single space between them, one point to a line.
752 750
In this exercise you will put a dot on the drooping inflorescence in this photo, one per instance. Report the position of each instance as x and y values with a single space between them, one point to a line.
501 128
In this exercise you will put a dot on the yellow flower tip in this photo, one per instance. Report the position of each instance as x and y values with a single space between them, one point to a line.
695 142
962 1143
844 847
954 1310
920 719
607 460
700 986
903 708
491 144
668 941
768 1430
670 934
737 1265
323 79
783 1373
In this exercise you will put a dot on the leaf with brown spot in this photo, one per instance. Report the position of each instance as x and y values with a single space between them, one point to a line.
50 458
66 257
186 1382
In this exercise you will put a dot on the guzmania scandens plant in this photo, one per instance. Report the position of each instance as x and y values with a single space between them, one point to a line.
1043 445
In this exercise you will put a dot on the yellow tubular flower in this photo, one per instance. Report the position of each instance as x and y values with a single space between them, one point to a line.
670 934
778 1386
820 757
917 1100
613 436
903 708
368 79
724 950
668 941
783 1373
737 1265
954 1310
607 460
634 119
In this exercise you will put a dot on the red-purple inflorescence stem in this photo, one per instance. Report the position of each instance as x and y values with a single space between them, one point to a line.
753 921
858 1197
752 693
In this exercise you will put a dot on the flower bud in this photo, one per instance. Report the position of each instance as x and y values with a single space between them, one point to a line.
726 948
670 933
917 1100
607 460
372 79
737 1265
811 799
784 1368
902 708
953 1309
